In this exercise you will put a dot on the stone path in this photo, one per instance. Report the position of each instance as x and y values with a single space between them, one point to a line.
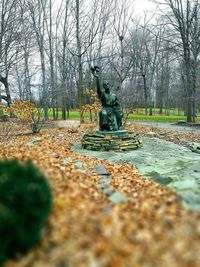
165 162
104 184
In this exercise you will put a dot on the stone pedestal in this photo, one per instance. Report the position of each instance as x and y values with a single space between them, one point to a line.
111 140
113 133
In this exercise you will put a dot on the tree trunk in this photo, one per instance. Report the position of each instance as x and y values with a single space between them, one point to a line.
80 67
189 109
7 98
64 117
145 93
188 87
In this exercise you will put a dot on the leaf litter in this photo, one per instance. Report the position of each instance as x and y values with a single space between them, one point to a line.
150 229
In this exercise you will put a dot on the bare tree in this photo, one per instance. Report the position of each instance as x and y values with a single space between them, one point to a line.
143 59
163 77
47 9
10 34
182 16
79 58
120 59
87 25
38 24
63 56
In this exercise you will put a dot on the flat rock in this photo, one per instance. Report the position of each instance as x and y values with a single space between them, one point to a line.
118 198
166 163
103 185
35 140
67 160
106 178
194 147
190 183
80 164
68 124
107 210
153 134
109 191
101 170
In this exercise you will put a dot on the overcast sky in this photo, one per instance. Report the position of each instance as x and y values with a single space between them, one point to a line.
142 5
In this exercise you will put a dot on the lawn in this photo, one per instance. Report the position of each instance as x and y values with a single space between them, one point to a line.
173 112
155 118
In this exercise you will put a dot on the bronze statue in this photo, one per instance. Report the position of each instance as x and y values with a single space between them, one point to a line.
110 116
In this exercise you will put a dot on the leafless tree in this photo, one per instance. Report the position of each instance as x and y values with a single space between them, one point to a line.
87 25
38 24
47 9
121 61
183 17
10 34
64 26
146 46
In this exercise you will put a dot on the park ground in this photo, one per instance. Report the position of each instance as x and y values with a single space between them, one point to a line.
145 226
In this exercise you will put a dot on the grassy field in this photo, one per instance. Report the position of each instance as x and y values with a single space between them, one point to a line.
73 115
168 112
156 118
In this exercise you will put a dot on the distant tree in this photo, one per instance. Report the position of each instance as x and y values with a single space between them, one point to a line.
87 25
183 17
10 38
120 57
38 23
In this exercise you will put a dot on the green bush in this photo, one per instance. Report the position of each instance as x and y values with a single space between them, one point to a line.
25 202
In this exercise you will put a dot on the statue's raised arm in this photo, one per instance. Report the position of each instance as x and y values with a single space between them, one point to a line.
95 71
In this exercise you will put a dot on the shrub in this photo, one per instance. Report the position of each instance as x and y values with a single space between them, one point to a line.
28 114
25 202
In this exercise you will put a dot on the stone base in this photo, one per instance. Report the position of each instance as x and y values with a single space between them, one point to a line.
113 133
107 140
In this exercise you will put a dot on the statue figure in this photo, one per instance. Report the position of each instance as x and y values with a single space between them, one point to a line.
110 116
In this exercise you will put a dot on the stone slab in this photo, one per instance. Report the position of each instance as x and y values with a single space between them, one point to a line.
101 170
166 163
117 197
68 124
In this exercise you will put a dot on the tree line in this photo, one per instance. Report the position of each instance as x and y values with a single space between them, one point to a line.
48 47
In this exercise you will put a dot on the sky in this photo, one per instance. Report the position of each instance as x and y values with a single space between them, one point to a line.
142 5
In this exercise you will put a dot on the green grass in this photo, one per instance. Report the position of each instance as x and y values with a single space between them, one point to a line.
154 118
72 115
169 112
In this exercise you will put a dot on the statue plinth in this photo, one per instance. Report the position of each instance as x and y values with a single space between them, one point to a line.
120 141
113 133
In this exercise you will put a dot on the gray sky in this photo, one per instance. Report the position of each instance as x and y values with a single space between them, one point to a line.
142 5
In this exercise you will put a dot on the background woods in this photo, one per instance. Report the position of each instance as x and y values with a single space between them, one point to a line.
47 48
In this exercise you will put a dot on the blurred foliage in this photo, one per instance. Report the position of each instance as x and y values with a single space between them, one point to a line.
25 202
